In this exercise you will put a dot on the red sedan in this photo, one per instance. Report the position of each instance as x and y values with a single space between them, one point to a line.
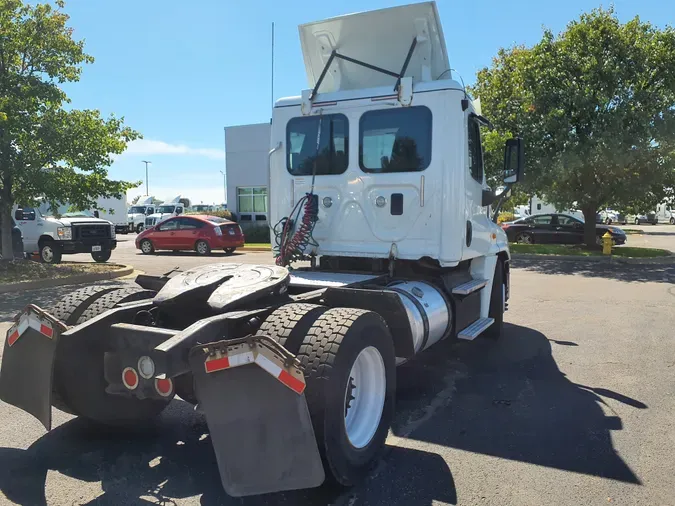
200 233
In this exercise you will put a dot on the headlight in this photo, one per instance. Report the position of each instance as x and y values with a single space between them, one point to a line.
64 233
112 231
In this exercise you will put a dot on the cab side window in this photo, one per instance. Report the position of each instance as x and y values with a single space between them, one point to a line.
475 151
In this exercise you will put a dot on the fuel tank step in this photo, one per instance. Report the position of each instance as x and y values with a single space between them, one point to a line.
470 287
475 329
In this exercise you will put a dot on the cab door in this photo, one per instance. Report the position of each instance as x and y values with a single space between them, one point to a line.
30 224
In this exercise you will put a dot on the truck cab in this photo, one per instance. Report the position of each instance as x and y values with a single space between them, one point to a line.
173 207
138 212
53 237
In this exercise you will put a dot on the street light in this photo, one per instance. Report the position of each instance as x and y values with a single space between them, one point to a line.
224 187
147 189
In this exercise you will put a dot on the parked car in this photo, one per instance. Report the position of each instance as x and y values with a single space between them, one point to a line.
609 216
17 241
200 233
557 229
643 218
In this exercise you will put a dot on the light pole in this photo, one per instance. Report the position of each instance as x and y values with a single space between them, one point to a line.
224 187
147 189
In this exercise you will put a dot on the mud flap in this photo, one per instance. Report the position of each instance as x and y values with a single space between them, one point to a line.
28 363
261 431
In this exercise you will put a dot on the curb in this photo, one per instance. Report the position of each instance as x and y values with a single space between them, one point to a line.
667 260
71 280
253 249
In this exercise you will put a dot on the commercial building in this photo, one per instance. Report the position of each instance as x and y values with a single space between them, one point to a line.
246 157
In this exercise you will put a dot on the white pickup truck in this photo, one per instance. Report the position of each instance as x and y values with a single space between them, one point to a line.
54 237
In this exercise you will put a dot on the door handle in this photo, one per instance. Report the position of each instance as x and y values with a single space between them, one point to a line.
172 233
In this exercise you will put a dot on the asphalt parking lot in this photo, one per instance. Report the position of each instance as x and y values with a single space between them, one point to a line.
574 405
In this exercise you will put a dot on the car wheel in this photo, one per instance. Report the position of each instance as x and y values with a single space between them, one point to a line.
139 228
202 248
229 251
637 221
146 247
672 221
50 253
598 240
608 221
101 256
525 238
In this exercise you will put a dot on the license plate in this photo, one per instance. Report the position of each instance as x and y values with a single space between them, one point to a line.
95 248
231 232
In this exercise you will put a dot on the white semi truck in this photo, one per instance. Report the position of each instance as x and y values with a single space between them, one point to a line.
172 207
378 187
138 212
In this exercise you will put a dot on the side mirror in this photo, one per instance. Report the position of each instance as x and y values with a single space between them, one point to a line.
18 215
514 161
96 215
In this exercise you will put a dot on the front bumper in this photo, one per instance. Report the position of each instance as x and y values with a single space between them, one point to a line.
86 245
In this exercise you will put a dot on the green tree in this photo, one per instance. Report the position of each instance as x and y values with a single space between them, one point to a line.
596 108
46 151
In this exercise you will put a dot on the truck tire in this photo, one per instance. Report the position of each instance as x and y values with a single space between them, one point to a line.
139 228
497 300
101 256
78 372
349 364
289 324
70 308
113 299
50 253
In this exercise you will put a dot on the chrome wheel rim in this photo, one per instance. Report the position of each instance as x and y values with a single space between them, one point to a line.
47 254
201 248
365 393
146 247
524 239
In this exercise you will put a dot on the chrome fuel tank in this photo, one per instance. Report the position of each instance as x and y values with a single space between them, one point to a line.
429 313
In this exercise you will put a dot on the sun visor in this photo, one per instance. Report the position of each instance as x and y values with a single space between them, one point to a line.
381 38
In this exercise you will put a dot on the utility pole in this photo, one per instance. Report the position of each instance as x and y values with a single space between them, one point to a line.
224 187
147 189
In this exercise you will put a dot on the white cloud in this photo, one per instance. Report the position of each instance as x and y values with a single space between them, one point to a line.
146 147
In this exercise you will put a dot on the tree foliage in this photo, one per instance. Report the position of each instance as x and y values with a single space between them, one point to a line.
596 108
46 151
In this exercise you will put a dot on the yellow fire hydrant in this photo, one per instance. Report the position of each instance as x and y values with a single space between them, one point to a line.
607 243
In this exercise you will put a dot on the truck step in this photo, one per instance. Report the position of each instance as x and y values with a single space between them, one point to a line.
475 329
469 287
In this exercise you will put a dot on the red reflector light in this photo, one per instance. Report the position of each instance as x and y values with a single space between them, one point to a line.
164 387
130 378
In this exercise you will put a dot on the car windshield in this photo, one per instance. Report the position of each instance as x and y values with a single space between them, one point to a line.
137 209
166 209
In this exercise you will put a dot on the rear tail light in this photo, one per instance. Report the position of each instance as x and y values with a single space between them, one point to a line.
164 387
217 230
130 378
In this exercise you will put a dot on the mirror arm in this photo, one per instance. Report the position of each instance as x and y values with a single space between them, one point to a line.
501 199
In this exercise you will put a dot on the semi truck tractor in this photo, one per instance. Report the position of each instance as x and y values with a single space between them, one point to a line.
138 212
172 207
385 245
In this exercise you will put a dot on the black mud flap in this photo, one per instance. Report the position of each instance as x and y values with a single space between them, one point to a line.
28 363
260 427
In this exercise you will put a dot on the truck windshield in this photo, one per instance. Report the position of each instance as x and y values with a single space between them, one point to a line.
137 210
166 209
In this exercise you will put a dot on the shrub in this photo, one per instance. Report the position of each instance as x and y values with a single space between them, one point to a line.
505 217
257 234
228 215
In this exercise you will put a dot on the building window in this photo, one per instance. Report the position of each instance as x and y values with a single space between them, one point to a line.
332 156
252 200
475 151
395 140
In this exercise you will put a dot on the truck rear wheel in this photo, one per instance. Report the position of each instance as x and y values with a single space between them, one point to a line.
50 253
349 365
289 324
79 378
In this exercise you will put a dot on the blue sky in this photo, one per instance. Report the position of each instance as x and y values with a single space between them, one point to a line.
180 71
